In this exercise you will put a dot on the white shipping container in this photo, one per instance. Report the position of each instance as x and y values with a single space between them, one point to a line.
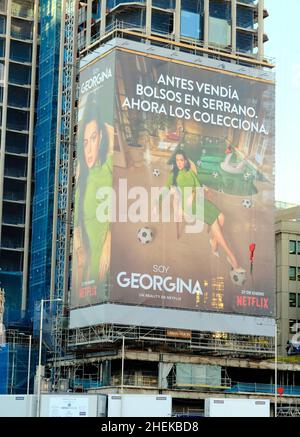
18 405
71 405
237 407
139 406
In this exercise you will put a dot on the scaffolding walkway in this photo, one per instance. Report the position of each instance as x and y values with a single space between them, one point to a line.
215 343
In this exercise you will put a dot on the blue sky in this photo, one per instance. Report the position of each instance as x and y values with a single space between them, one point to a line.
283 30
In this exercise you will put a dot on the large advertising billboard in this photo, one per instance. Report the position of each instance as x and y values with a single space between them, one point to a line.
175 187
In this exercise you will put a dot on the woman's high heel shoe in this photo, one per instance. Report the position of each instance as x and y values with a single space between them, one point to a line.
238 270
214 252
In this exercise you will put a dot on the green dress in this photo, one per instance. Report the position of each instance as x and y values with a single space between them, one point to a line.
188 179
98 176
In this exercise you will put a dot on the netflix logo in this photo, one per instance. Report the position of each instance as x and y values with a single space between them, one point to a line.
88 291
252 302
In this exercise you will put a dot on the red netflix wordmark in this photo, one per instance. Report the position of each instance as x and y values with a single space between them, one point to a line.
88 291
252 301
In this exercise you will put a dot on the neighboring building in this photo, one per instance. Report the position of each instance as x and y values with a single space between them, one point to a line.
287 230
188 365
18 51
284 205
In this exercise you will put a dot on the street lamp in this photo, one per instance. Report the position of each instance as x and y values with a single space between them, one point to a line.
276 364
122 370
40 350
29 360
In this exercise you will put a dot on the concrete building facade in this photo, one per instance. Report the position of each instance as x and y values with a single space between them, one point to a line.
18 51
287 229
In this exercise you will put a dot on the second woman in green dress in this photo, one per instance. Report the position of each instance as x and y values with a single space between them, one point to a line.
183 176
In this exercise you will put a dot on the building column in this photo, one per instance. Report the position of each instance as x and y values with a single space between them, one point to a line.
103 17
4 108
233 25
206 23
177 24
148 16
29 160
88 22
260 36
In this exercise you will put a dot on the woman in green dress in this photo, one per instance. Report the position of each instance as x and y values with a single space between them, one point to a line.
92 238
182 176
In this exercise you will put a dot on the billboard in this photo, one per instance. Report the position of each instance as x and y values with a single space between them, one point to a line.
175 187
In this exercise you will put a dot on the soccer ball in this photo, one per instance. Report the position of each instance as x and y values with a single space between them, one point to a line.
199 163
145 235
247 203
238 277
156 172
215 174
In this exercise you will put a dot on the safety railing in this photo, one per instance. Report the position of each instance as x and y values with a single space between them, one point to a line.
196 340
19 57
10 244
18 150
13 220
145 380
12 196
17 80
84 384
149 380
243 387
3 6
121 27
22 12
15 173
24 36
199 384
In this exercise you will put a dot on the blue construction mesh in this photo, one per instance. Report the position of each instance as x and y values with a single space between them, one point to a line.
14 368
11 282
4 366
44 147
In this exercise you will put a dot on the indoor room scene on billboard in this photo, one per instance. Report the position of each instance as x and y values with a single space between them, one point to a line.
188 155
182 127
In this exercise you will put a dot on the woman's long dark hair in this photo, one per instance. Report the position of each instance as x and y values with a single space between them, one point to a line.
91 113
175 169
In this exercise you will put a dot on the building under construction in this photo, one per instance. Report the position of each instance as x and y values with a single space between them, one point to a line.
218 339
121 349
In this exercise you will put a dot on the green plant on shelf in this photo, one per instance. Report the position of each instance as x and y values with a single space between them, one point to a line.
158 124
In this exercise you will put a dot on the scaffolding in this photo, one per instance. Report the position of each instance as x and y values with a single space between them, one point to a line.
205 342
14 362
63 177
291 411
